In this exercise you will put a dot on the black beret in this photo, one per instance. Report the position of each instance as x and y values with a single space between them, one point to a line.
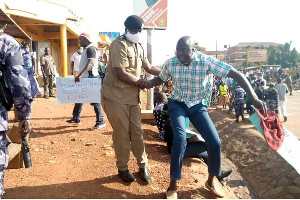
133 22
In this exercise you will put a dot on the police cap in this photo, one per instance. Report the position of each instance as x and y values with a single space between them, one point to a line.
133 22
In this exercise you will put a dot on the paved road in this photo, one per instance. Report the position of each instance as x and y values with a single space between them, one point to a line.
293 113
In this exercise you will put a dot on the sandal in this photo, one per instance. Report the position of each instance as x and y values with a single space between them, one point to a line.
214 189
171 194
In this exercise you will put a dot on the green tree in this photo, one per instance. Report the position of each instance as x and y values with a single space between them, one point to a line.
199 48
245 63
283 56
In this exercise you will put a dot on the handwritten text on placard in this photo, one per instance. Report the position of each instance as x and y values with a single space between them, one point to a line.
85 91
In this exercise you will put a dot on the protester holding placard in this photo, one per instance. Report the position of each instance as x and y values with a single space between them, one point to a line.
88 68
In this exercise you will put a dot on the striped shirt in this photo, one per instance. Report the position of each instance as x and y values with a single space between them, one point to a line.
193 84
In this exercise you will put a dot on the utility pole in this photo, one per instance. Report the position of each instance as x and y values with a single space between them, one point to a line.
216 49
149 105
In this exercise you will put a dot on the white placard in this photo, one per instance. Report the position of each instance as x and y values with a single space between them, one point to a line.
290 150
290 147
85 91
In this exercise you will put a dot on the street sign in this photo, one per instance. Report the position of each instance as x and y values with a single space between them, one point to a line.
153 12
257 55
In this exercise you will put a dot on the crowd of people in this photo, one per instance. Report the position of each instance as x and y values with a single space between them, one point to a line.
272 92
183 92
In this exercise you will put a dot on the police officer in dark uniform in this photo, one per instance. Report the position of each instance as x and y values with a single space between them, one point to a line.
18 90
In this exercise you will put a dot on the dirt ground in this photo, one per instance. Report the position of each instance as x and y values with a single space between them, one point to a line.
71 161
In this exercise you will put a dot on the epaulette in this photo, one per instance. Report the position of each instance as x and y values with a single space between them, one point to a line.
121 37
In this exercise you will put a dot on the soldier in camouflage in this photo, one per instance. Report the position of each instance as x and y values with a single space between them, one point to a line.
11 58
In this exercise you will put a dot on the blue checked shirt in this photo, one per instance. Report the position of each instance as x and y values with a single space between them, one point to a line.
193 84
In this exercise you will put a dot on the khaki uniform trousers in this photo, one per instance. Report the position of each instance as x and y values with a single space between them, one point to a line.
127 132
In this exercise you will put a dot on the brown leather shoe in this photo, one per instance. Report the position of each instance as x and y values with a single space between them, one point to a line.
214 189
171 194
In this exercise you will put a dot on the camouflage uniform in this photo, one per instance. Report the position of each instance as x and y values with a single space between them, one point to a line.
20 88
272 99
239 101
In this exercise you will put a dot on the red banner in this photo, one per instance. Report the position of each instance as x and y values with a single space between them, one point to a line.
154 16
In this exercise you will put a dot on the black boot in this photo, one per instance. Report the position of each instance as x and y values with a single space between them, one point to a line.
145 175
126 176
224 175
243 118
237 120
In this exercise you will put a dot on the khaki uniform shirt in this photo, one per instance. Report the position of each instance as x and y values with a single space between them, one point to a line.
128 55
47 63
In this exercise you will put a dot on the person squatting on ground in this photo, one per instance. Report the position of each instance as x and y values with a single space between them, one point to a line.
192 76
159 113
16 77
121 99
239 103
29 65
195 148
88 68
47 67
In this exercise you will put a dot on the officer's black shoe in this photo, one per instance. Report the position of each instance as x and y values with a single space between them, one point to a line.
224 175
126 176
145 175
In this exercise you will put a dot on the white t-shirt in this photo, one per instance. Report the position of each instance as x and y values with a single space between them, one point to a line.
76 59
88 53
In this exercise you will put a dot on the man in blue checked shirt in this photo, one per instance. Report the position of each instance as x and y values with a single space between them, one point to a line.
192 77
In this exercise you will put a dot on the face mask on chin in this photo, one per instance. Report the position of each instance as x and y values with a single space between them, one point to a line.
135 38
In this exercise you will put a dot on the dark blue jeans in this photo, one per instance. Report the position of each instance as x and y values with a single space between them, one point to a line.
97 108
199 117
196 150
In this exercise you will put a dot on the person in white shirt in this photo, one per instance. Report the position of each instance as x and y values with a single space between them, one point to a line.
282 90
75 60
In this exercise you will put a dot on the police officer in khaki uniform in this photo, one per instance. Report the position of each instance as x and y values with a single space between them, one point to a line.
47 63
120 97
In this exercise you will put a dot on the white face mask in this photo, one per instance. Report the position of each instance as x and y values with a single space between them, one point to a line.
135 38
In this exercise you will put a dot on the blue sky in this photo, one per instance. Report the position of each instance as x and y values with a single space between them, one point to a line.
225 22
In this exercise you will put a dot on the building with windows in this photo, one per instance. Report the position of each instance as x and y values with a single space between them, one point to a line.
46 23
236 54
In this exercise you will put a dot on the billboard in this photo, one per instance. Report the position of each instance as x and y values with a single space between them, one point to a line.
153 12
111 35
257 55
